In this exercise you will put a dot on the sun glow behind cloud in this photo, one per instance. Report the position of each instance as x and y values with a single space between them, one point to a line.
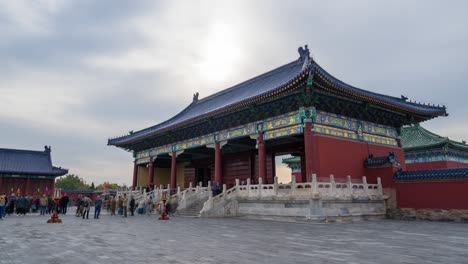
221 54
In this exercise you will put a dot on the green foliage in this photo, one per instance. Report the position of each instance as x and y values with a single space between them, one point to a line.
74 182
110 186
71 182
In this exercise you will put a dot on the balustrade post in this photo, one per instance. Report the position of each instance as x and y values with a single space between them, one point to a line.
190 186
293 184
332 184
248 187
209 185
314 184
349 184
275 185
178 189
260 181
366 187
237 183
379 186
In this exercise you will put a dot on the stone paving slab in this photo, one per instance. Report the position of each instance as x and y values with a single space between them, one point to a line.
144 239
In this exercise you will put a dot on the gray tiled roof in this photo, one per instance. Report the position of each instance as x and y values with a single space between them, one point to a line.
267 83
28 162
398 101
244 91
435 174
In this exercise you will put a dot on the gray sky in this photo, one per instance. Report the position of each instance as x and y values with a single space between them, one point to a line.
73 73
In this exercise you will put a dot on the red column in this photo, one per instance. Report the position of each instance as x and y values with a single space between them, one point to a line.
174 171
1 185
261 157
52 187
135 174
151 174
218 176
308 150
26 186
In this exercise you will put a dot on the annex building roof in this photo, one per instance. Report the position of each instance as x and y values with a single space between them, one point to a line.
416 137
16 161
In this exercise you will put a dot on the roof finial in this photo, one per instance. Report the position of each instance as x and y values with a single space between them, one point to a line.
47 149
195 97
404 98
304 53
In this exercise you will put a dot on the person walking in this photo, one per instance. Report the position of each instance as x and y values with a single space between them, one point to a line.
113 202
124 204
97 207
64 203
86 206
78 205
132 205
3 203
119 205
149 205
51 204
43 202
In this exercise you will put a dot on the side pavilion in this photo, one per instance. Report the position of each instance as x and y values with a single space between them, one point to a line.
27 171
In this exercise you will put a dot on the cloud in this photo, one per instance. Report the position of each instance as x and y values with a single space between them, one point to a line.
77 72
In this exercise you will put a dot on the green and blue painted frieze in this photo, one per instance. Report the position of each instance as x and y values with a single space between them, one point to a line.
195 142
283 132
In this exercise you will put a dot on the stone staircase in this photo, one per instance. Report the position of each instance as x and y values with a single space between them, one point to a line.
193 210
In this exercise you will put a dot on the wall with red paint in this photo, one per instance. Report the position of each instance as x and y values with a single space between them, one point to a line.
436 195
435 165
385 174
342 157
37 187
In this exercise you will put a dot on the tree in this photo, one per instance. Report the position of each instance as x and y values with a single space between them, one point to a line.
92 186
71 182
110 186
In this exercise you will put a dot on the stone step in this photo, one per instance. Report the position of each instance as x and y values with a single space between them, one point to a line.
193 210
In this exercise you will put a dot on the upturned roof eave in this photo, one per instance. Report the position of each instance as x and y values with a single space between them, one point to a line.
39 173
369 96
240 104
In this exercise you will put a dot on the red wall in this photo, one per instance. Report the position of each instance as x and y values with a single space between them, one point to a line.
342 157
235 167
34 185
435 165
436 195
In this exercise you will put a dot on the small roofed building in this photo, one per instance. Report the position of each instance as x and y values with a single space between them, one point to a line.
294 163
298 108
425 150
28 172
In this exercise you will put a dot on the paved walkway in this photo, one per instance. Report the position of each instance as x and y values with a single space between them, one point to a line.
144 239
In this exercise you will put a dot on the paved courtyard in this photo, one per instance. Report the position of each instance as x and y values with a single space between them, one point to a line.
144 239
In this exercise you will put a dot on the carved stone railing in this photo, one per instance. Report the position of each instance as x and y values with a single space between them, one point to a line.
191 195
324 190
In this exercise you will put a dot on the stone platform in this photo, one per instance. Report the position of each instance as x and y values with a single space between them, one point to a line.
144 239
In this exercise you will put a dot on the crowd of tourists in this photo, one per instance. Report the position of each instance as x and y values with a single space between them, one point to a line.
116 205
24 204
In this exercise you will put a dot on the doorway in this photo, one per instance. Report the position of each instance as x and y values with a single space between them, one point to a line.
203 175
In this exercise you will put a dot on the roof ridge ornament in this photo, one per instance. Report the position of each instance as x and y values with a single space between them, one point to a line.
304 55
195 97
